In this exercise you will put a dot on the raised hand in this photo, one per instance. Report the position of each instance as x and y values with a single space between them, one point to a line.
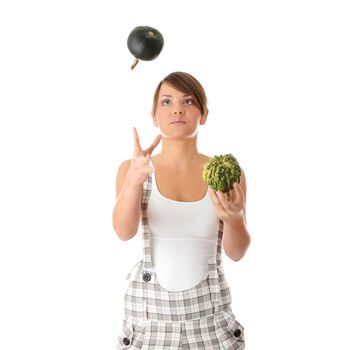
139 168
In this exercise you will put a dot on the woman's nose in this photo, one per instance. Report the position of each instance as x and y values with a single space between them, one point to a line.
178 109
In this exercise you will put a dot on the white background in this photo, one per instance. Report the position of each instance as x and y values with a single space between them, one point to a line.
277 78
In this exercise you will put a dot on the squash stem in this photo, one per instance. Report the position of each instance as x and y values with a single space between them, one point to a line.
134 63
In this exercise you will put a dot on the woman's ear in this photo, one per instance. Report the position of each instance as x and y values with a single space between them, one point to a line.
155 123
204 117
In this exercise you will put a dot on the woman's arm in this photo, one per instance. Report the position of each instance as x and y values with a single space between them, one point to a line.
127 209
131 175
236 238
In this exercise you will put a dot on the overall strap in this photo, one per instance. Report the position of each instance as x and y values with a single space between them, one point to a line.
219 246
146 192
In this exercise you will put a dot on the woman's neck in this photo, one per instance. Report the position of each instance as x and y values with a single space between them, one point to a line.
179 153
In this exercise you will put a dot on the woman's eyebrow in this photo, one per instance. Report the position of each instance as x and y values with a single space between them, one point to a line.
186 95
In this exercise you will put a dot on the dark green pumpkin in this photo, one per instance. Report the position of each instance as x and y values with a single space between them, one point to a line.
145 43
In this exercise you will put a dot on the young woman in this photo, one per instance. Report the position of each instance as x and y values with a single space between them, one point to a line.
177 296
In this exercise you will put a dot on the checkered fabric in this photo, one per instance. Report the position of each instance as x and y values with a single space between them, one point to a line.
196 318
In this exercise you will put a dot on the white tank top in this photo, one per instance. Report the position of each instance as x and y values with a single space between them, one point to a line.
183 236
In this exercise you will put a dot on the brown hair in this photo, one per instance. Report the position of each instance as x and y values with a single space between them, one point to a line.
186 83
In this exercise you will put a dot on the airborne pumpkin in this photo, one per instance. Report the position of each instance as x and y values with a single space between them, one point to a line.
145 43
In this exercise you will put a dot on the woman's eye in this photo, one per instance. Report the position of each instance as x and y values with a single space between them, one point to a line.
189 102
165 102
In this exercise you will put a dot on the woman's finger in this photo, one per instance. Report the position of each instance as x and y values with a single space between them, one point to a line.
238 192
224 201
214 198
137 146
154 144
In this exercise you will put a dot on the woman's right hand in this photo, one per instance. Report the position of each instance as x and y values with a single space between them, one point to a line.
139 168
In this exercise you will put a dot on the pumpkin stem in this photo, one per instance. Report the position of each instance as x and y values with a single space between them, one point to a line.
134 63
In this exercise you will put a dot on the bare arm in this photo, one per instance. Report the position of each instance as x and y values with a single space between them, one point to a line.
131 175
236 238
127 209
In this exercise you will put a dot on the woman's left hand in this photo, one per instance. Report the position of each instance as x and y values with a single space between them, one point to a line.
229 210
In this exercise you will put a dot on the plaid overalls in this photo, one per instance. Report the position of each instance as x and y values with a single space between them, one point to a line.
196 318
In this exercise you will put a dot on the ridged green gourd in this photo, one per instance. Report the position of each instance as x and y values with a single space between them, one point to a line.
221 172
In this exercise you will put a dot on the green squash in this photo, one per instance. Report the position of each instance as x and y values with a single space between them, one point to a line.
221 172
145 43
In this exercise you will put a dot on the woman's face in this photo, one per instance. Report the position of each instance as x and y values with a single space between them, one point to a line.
176 115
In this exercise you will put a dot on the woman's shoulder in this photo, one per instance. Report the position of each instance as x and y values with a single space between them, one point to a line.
123 169
205 157
124 165
121 174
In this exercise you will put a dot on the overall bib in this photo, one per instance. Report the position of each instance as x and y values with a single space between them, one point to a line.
197 318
